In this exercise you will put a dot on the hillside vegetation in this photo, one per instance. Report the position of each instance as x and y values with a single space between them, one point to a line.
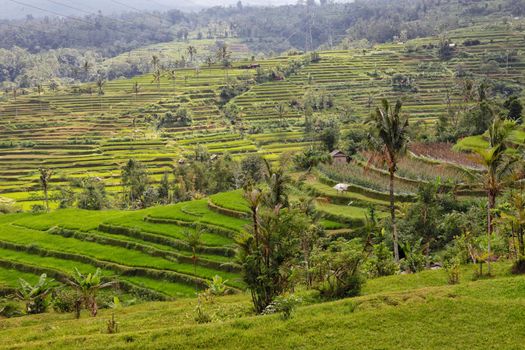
186 190
409 312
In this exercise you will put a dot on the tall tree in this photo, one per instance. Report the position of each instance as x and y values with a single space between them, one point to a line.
157 74
192 51
155 62
391 131
135 90
498 159
135 179
172 76
45 178
194 240
223 55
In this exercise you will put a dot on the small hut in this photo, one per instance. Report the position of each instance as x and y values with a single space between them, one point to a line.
338 157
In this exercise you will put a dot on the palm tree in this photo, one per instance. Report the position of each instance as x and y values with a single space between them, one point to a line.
223 55
281 110
498 160
45 178
192 51
15 94
39 90
391 131
136 89
157 74
155 61
172 76
100 86
194 240
277 182
209 62
86 67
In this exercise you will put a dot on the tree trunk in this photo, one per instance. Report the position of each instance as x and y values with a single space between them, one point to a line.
393 217
521 246
46 198
490 206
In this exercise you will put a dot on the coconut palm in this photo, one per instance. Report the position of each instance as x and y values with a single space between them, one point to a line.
498 159
172 76
86 67
223 56
194 240
45 178
209 61
155 61
100 87
53 86
157 74
192 51
277 182
135 90
391 131
39 90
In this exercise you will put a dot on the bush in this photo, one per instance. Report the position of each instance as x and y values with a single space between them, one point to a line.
201 316
414 260
217 286
518 268
381 263
336 270
284 304
65 301
38 209
10 309
452 267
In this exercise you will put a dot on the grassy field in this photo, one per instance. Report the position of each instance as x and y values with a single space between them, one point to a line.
406 311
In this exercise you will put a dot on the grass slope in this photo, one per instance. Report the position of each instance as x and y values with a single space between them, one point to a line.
425 315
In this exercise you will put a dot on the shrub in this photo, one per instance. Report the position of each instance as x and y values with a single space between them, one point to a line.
217 286
201 316
518 267
381 263
283 304
65 300
336 270
10 309
452 267
38 209
414 260
112 325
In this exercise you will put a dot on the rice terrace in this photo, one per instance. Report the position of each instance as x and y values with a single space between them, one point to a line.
244 175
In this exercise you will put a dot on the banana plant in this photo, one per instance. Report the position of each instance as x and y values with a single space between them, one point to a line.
88 286
35 297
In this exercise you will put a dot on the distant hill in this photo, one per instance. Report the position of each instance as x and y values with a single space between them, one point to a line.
20 9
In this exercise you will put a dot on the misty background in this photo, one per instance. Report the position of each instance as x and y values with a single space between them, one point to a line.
13 9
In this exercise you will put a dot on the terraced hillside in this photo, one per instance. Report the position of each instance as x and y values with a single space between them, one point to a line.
79 134
148 250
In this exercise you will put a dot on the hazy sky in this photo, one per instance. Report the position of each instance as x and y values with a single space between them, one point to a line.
21 8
